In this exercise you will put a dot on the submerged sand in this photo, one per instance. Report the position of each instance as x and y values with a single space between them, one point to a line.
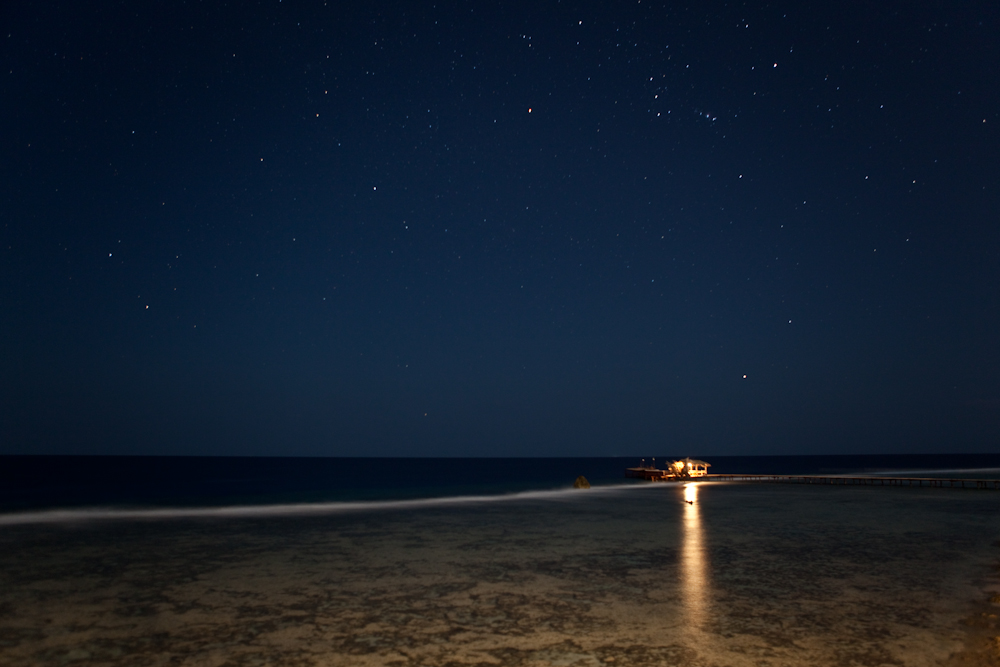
743 575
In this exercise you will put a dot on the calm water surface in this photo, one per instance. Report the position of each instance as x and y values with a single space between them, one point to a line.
702 574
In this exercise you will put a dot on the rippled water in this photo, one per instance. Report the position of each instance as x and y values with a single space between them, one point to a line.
703 574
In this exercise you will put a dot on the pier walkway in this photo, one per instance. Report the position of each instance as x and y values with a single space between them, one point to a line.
860 480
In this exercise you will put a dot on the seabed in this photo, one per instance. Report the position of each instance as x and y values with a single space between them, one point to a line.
656 575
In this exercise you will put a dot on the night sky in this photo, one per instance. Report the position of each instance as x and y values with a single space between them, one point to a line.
300 227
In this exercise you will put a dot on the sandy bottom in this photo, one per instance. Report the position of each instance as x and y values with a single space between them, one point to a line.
743 575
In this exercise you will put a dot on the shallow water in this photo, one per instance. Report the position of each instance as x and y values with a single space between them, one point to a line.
745 574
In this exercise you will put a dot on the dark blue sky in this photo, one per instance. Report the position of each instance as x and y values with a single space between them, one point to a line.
536 228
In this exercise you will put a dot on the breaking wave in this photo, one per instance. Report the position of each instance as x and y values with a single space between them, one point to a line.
294 509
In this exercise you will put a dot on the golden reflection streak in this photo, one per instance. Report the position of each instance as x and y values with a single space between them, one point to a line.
694 563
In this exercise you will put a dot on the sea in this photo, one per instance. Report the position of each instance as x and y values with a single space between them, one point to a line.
478 561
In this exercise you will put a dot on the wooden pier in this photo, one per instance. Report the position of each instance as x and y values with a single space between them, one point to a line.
650 474
860 480
688 470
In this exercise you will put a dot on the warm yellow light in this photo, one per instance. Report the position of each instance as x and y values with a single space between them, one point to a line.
694 567
690 492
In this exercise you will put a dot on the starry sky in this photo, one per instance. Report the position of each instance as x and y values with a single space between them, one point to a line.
388 228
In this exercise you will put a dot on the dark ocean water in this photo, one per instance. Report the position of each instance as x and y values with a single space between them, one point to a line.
48 482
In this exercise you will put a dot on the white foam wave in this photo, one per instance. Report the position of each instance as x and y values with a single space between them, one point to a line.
293 509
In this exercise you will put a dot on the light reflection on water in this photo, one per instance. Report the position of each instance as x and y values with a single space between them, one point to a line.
694 564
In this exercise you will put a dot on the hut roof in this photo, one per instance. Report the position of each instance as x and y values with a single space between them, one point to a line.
695 462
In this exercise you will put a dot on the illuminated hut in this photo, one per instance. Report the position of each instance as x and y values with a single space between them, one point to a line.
689 468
